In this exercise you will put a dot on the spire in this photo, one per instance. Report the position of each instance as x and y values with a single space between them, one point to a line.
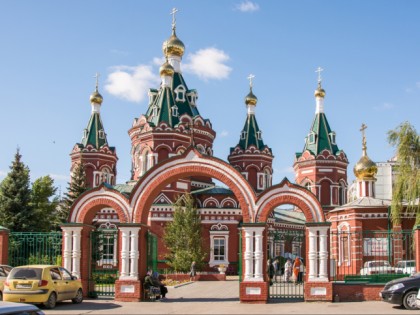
365 168
319 93
174 47
94 134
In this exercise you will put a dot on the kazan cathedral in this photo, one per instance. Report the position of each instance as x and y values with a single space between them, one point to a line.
172 133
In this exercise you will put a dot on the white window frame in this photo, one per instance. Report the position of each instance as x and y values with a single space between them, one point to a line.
180 93
219 235
312 137
243 135
175 111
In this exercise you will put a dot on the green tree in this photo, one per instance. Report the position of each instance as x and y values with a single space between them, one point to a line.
77 186
182 236
44 203
15 194
406 189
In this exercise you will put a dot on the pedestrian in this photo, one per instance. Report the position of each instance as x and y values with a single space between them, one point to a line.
158 283
287 270
192 271
296 270
276 268
270 271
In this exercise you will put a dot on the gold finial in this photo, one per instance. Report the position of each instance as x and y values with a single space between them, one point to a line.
173 12
251 99
364 147
95 97
319 92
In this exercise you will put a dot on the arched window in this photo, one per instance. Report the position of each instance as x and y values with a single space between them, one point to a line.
267 176
180 93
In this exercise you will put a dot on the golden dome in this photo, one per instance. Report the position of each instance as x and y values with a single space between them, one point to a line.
251 99
95 97
320 92
173 46
166 69
365 168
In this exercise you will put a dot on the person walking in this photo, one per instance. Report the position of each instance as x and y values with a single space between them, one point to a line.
192 271
276 266
270 270
287 270
296 270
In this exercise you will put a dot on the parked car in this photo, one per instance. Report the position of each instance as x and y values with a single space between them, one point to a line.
19 309
402 291
4 272
376 267
406 266
418 299
45 284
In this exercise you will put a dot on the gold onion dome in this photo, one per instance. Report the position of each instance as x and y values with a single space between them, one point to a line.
320 92
95 97
173 46
166 69
365 168
251 99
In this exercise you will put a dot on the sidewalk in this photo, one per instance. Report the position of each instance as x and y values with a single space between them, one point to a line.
219 297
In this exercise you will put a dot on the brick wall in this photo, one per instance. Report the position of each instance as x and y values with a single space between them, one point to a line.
253 292
318 291
357 292
4 246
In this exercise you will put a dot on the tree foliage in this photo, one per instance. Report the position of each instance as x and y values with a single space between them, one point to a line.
15 195
76 187
182 236
44 204
406 189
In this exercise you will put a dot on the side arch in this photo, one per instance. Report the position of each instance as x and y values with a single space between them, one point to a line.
87 205
288 193
190 163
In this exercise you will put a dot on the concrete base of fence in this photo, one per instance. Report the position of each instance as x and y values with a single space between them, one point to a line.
198 277
357 292
128 291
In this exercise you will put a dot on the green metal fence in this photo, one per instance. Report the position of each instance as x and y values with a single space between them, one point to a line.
152 249
371 256
35 248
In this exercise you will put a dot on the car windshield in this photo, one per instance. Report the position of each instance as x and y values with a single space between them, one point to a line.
379 264
26 273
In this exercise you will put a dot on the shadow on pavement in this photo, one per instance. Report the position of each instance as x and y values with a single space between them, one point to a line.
199 299
86 305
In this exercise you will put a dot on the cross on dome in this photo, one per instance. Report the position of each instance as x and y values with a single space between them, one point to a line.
97 75
250 77
319 70
362 129
173 12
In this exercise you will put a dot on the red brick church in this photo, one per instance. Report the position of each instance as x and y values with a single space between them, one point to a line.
172 154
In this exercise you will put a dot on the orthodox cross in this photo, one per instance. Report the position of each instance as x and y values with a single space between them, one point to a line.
250 77
97 75
174 10
319 70
362 129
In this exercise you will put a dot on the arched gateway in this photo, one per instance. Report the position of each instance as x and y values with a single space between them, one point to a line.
133 226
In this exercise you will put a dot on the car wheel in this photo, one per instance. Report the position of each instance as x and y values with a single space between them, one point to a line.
78 298
409 300
52 300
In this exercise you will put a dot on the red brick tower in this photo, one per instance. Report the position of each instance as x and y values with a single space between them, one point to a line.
251 156
322 166
98 158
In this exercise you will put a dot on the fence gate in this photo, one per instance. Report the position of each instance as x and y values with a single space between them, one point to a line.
27 248
103 262
152 256
283 245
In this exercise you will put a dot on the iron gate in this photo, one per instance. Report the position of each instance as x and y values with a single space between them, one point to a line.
103 262
152 255
284 245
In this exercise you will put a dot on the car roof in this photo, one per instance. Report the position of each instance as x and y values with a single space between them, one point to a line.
11 307
38 266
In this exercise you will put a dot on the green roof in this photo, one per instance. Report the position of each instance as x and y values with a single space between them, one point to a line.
320 137
213 190
94 133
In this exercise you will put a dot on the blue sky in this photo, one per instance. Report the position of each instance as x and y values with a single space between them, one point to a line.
369 51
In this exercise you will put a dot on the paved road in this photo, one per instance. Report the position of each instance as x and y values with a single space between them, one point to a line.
220 297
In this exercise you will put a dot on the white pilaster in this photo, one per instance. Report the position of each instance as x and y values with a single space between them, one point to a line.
312 254
319 105
67 250
248 254
323 253
175 62
134 253
259 254
125 247
76 251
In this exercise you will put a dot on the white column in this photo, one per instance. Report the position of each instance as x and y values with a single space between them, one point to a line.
76 251
323 253
67 247
312 254
134 253
259 254
249 250
125 247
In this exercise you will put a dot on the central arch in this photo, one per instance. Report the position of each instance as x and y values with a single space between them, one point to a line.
191 163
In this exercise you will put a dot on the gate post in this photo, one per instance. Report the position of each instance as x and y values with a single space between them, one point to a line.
318 286
4 245
417 246
128 286
253 288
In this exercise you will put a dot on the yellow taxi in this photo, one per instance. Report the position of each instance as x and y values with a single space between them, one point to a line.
4 271
46 284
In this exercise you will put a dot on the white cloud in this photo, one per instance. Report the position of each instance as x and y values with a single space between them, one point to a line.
208 63
60 177
247 6
384 106
131 83
158 61
224 133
